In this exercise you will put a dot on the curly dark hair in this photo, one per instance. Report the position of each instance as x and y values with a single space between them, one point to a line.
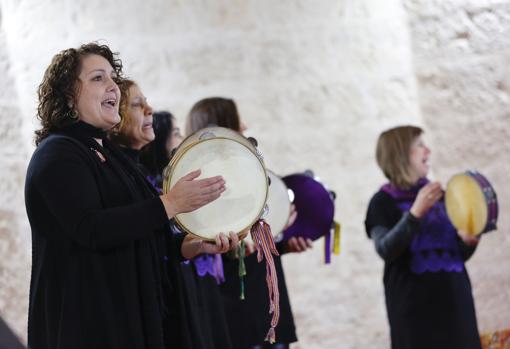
61 85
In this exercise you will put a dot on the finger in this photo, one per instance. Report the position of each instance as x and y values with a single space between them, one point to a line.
234 240
218 241
206 199
291 244
191 176
309 243
211 189
224 243
302 244
205 182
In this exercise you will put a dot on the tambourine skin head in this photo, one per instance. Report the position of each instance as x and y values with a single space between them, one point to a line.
470 203
278 203
245 180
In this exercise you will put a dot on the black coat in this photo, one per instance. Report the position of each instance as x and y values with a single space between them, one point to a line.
97 278
249 319
427 310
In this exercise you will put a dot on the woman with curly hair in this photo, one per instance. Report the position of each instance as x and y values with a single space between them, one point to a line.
98 241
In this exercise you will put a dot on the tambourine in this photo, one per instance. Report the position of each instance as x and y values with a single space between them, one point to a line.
279 201
315 206
221 151
471 203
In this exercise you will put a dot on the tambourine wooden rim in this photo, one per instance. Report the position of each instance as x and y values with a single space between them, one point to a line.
277 229
169 172
483 188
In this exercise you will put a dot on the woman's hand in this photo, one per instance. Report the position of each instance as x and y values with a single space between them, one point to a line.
426 198
193 246
469 240
298 244
189 194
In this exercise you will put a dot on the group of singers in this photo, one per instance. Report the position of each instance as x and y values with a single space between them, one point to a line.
111 269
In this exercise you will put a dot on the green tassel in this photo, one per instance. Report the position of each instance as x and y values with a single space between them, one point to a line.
241 253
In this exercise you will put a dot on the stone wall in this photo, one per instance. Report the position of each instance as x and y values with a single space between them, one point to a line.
14 232
461 52
315 82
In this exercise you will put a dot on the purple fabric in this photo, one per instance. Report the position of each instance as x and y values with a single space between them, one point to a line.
435 247
314 205
211 264
155 182
490 198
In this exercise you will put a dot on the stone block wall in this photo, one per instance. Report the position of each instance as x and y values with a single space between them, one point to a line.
315 82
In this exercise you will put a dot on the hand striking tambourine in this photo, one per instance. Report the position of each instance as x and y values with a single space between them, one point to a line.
222 151
471 203
315 208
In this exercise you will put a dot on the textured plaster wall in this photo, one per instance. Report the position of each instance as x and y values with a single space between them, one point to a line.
461 53
315 82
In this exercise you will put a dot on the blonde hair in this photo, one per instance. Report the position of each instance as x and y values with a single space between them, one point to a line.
393 153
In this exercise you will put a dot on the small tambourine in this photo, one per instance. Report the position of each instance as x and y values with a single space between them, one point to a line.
471 203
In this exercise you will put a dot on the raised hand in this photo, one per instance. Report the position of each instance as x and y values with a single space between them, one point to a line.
189 193
426 198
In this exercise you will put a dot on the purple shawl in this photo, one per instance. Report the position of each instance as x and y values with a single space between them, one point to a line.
435 247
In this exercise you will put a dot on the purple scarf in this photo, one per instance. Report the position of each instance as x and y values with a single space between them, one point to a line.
435 247
210 264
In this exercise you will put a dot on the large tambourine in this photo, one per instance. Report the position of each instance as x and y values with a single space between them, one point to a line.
315 206
471 203
221 151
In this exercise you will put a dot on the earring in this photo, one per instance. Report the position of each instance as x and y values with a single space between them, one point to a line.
72 114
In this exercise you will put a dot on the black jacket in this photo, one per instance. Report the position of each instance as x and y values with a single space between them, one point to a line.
97 268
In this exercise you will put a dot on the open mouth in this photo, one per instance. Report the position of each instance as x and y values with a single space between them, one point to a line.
147 125
110 102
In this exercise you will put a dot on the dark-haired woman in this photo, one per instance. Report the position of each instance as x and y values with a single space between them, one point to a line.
96 270
203 273
248 319
428 292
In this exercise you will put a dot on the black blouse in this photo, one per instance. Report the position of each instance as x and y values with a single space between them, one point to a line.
97 248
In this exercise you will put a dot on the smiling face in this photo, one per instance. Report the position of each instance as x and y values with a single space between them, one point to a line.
137 130
419 155
97 101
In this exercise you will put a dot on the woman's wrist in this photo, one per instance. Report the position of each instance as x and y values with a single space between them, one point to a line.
169 207
191 247
415 213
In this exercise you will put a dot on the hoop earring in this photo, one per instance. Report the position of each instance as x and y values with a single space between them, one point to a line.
72 114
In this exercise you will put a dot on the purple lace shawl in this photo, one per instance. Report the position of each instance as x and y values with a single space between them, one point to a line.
435 248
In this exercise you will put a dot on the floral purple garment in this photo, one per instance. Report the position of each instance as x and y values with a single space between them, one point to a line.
210 264
435 247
